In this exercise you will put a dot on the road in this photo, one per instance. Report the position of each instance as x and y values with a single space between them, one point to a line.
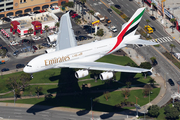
23 113
165 68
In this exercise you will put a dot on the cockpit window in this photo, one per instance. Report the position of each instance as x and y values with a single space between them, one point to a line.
28 65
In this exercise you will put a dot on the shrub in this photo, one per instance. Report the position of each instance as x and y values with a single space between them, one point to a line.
100 32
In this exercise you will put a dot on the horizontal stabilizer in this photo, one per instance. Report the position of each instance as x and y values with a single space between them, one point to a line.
140 41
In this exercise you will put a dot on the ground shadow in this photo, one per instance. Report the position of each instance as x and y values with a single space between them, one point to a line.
71 95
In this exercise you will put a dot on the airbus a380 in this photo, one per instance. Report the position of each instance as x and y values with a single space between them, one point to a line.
68 55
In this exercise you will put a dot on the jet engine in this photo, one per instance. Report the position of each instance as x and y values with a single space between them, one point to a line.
81 73
106 75
50 50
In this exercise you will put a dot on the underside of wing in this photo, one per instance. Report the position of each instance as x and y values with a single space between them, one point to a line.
66 37
104 67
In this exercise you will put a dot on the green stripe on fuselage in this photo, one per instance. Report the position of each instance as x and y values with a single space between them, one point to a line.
139 16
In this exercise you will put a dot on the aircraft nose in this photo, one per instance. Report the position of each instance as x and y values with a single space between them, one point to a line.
26 70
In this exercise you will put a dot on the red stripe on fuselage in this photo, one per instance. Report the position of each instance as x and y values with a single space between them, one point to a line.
120 37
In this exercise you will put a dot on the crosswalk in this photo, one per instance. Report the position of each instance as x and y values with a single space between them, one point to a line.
158 40
99 3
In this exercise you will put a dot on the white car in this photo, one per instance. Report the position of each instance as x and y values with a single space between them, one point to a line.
113 28
36 38
13 43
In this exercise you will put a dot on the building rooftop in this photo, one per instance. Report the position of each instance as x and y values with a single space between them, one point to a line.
25 21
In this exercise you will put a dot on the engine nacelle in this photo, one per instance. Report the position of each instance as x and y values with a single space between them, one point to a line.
52 38
81 73
50 50
106 75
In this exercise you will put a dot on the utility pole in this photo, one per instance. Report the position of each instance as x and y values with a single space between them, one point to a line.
137 106
92 109
14 96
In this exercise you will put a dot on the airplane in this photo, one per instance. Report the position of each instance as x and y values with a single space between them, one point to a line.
68 55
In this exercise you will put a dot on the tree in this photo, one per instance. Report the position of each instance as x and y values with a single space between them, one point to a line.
172 114
166 109
18 81
70 4
172 46
153 60
38 90
100 32
128 84
145 65
151 81
153 111
173 20
91 12
57 26
46 28
48 96
132 64
125 92
83 2
3 52
17 93
147 89
107 95
30 31
95 74
148 21
25 78
177 105
153 4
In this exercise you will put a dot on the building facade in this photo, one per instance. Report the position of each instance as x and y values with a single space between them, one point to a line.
15 7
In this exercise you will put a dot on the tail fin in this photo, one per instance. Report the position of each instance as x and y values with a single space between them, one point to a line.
130 27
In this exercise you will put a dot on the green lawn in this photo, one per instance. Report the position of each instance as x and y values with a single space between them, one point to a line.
31 91
66 75
83 101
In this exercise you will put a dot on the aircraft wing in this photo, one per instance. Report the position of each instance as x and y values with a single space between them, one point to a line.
103 66
66 37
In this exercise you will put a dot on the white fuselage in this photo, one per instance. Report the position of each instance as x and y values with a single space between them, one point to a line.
83 53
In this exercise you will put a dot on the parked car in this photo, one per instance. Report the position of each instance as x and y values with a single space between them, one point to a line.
4 69
2 62
117 6
36 38
45 45
82 38
34 47
90 30
109 10
171 82
77 17
152 17
25 41
20 66
86 27
16 53
74 15
14 43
